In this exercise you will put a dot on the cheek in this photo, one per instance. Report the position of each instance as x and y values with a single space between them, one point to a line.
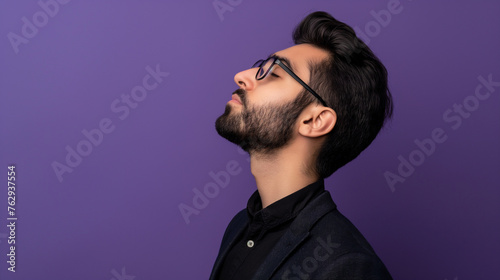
275 93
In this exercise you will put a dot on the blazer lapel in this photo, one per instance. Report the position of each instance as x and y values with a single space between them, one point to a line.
237 227
295 235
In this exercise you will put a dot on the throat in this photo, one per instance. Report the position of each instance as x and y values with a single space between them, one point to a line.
278 176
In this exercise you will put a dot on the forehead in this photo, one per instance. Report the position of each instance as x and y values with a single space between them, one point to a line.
301 56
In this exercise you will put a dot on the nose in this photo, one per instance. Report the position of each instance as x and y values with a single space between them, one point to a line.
246 79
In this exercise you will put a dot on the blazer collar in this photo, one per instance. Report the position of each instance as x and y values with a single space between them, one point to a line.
293 237
296 234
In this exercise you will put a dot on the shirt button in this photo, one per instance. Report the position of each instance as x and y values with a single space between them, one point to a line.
250 243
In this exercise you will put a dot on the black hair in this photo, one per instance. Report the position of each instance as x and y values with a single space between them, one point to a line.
353 82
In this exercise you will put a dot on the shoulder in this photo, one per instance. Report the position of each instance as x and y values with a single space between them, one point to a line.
340 229
352 265
334 249
332 224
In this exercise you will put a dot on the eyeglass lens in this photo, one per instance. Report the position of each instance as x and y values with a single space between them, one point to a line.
264 68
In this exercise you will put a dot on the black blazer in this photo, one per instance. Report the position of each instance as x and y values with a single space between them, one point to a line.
320 244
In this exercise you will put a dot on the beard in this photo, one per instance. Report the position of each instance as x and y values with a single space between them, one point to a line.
262 129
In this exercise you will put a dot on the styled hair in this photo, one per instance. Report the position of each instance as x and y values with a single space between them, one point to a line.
353 82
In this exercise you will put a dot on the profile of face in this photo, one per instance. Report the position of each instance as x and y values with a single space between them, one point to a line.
262 114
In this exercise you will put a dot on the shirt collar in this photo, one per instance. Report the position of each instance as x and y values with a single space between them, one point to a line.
284 209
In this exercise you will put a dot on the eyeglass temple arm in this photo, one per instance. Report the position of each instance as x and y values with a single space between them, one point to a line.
301 82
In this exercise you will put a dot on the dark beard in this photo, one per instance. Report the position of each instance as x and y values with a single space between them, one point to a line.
261 129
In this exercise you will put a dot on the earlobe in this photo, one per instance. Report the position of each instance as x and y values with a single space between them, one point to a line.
320 121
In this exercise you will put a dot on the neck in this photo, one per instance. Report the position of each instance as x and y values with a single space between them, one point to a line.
281 173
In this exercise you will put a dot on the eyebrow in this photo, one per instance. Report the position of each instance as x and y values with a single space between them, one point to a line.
285 61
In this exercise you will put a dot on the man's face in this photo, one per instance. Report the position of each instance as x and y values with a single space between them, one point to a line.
262 115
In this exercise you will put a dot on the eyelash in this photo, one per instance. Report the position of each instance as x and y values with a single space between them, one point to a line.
274 75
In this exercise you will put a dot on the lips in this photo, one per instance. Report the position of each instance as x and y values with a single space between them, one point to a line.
236 98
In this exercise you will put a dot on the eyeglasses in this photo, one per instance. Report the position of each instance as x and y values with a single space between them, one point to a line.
266 67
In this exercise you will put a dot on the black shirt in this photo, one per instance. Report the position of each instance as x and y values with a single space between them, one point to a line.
265 228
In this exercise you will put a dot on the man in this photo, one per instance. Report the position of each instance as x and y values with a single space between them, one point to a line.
301 114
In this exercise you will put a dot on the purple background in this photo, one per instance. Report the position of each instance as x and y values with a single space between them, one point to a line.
117 213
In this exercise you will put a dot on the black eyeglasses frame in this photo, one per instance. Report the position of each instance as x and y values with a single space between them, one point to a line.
278 61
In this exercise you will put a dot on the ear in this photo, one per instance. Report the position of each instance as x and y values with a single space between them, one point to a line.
317 121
